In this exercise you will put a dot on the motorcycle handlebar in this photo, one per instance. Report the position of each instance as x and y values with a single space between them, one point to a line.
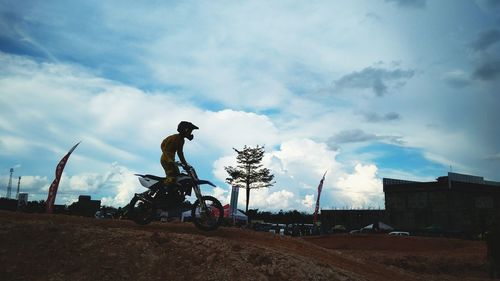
185 167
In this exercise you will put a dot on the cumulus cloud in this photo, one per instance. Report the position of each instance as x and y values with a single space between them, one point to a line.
308 201
115 185
86 182
116 181
379 80
126 125
227 128
244 78
29 184
363 187
272 199
121 183
298 166
306 158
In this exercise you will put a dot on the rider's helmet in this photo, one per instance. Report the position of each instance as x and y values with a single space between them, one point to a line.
185 128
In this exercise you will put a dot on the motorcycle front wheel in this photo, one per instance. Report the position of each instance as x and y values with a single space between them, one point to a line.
208 218
141 211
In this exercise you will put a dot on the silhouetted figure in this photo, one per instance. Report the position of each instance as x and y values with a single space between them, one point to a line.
493 250
172 145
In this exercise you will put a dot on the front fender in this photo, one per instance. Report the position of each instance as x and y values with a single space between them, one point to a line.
205 182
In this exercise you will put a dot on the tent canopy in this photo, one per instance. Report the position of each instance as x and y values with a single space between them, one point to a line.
339 227
378 225
238 215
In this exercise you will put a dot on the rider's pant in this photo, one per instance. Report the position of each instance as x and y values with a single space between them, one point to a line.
171 171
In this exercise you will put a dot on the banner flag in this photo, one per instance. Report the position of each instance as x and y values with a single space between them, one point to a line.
51 198
320 187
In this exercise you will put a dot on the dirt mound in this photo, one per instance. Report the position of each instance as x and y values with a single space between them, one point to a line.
57 247
383 242
428 258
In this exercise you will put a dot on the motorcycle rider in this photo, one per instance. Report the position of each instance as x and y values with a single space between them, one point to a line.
172 145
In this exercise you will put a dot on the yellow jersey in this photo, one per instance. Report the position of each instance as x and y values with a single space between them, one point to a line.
171 145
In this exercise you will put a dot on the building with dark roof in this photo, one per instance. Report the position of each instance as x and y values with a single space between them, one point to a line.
455 202
85 206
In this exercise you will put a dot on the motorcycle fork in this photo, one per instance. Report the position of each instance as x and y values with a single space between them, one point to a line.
197 191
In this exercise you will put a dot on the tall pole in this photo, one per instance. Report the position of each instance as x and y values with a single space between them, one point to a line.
18 184
9 187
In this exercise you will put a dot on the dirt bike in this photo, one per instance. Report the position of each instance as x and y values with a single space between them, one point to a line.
207 212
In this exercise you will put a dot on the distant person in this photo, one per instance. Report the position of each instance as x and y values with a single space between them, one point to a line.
173 145
493 250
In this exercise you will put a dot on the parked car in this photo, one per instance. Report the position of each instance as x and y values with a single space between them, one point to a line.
399 233
103 214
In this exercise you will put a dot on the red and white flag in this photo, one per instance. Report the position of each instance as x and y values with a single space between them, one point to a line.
320 187
51 198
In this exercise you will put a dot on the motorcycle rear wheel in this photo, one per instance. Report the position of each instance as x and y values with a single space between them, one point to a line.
141 211
209 219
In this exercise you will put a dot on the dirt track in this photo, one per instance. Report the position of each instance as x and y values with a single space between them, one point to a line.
57 247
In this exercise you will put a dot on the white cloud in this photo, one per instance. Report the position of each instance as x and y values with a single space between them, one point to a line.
127 124
11 145
122 184
219 164
245 78
308 202
269 199
363 188
86 182
115 186
305 159
29 184
227 129
298 167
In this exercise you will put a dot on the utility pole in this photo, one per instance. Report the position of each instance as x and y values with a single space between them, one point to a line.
18 184
9 187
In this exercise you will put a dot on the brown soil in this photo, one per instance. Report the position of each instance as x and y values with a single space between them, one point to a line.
58 247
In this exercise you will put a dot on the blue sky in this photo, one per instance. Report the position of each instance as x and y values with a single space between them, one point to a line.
361 89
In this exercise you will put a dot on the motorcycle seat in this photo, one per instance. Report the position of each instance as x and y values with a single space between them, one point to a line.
157 178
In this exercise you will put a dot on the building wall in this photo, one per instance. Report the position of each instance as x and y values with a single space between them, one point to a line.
85 206
455 206
453 203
